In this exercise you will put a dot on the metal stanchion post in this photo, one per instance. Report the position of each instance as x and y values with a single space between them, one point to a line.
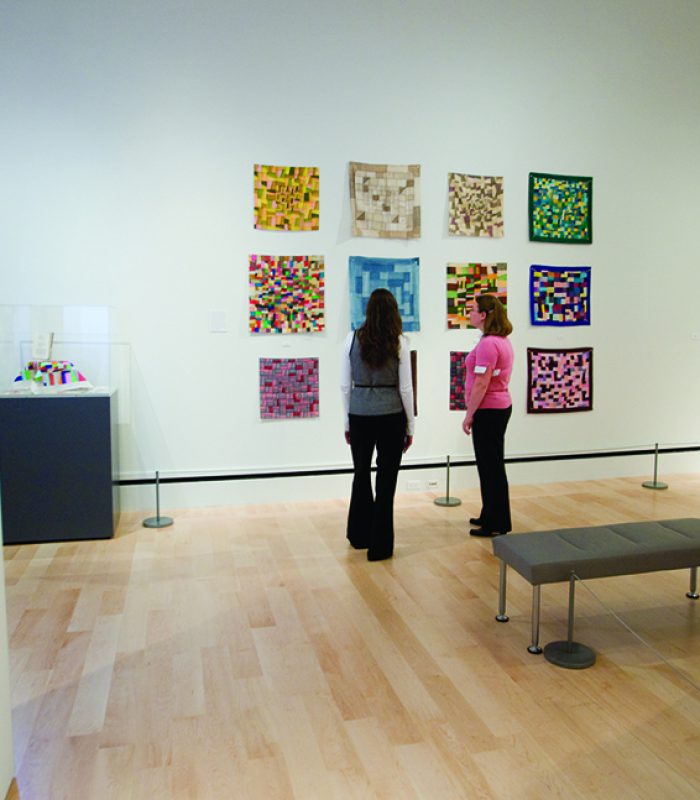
157 521
655 484
447 500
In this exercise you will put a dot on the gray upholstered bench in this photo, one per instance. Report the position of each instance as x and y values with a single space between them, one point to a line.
596 552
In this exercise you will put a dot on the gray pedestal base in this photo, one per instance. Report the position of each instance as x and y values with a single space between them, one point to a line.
157 522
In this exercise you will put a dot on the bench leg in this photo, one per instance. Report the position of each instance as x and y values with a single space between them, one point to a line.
502 616
693 593
570 654
535 648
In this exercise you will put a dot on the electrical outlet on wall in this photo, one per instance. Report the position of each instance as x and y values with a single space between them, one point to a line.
413 486
433 484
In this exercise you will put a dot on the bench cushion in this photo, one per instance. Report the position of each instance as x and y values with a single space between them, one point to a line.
604 550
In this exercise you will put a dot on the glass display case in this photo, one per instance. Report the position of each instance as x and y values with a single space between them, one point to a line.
58 449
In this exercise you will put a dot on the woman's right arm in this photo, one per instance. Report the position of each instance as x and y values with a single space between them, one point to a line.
406 389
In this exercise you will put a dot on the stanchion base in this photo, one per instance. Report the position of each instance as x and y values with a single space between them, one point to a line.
570 655
447 501
157 522
655 485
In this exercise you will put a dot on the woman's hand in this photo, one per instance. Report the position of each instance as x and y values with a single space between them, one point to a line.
467 424
407 442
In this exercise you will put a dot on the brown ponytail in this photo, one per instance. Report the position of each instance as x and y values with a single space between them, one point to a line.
496 322
379 336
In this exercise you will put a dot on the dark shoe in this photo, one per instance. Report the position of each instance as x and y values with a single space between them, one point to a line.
476 521
378 556
485 533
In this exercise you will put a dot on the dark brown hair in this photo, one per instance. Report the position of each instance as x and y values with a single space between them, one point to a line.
496 322
379 336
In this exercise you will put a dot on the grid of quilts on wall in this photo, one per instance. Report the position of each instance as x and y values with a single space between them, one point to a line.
287 292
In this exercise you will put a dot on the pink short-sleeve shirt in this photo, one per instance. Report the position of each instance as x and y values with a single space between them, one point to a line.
495 352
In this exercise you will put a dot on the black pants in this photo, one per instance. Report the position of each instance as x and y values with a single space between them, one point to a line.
371 518
488 433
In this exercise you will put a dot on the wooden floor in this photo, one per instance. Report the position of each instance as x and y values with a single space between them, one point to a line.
249 653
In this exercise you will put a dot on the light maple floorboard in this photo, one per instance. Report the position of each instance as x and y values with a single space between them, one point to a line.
250 653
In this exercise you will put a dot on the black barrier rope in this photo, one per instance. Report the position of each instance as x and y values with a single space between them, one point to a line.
311 473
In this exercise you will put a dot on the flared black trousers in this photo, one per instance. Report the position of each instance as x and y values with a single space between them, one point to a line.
488 434
371 515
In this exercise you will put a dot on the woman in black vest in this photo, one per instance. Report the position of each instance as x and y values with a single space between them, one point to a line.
378 404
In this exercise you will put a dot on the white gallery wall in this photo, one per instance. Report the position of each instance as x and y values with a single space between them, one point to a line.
128 136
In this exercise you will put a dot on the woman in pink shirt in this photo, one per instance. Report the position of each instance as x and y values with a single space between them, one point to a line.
489 366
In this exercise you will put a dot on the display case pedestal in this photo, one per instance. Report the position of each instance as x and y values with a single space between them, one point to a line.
58 467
